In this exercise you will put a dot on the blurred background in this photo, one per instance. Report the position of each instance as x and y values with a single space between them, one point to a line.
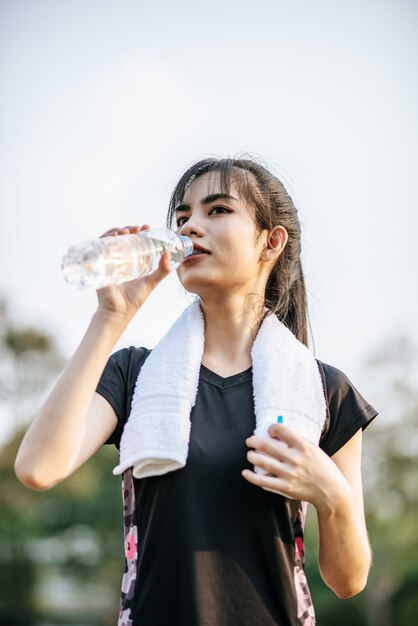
104 104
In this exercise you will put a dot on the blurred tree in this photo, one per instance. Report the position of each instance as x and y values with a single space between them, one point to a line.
391 484
391 498
29 360
61 550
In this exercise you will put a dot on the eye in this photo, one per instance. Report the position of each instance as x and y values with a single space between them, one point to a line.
219 208
215 208
179 221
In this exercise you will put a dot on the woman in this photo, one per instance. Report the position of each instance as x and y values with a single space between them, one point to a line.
217 542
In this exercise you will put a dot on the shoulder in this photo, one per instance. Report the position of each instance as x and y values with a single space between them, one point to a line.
336 381
117 383
348 409
121 367
128 357
126 362
340 389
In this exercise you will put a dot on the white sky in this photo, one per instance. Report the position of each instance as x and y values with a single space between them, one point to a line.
104 104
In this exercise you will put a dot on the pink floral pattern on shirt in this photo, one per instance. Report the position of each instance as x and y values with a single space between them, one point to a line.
306 613
130 529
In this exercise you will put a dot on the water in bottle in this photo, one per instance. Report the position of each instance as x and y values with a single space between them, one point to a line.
113 260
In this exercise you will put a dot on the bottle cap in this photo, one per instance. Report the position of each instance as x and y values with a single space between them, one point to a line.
187 245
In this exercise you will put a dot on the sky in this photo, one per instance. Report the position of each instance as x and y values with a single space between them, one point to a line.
104 105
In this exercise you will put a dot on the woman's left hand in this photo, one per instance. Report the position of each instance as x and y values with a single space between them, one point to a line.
299 469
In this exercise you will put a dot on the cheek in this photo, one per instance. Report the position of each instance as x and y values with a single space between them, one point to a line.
239 253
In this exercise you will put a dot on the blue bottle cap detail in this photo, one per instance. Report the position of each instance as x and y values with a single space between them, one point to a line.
187 245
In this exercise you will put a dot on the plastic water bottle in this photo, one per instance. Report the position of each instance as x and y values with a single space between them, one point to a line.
114 260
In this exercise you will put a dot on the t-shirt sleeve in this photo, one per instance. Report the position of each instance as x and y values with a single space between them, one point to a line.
348 410
117 384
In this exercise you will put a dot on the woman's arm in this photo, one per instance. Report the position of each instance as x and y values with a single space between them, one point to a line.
303 471
72 417
344 549
74 421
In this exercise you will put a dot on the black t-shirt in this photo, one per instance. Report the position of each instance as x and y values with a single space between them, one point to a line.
203 547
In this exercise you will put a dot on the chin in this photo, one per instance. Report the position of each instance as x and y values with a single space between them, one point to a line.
196 287
201 283
192 286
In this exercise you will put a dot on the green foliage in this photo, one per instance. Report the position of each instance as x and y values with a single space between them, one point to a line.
391 500
61 550
72 533
24 340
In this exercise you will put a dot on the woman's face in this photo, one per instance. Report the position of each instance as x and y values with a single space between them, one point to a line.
225 227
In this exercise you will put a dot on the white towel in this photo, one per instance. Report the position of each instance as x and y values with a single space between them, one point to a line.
286 381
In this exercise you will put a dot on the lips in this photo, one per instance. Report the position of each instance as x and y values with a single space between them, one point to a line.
197 248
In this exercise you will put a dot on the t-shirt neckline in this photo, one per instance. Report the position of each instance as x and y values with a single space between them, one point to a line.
224 381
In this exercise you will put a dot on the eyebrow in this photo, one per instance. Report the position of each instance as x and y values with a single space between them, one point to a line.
208 200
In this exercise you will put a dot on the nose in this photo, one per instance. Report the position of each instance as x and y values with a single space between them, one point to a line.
191 227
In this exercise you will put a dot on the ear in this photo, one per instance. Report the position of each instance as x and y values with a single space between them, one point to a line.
275 243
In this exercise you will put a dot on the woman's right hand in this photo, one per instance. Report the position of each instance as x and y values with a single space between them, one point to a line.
123 301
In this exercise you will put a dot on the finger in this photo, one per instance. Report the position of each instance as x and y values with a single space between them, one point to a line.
269 446
268 463
109 233
286 434
125 230
113 232
276 485
136 227
162 271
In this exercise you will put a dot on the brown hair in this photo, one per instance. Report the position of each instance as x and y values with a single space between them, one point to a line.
285 294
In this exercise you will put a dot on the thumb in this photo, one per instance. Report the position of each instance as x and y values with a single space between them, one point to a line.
164 268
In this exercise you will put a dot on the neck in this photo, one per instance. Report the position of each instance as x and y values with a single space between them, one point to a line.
231 327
